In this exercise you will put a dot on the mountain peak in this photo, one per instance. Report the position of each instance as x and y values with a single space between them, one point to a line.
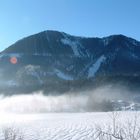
51 41
51 57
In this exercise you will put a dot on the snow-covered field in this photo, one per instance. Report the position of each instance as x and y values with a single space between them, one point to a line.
64 117
69 126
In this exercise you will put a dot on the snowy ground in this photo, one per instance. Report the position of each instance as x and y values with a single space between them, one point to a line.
62 126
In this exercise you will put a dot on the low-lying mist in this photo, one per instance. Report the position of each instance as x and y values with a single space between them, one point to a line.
86 101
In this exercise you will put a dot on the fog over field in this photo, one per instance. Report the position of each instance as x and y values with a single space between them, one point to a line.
86 101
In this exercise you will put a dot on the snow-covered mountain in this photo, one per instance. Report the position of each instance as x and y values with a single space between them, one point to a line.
56 61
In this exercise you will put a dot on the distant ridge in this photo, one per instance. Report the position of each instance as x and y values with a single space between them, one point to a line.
57 61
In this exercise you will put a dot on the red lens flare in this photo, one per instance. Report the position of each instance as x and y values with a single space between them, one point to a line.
13 60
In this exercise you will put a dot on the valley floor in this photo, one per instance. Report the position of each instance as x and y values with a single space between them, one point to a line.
71 126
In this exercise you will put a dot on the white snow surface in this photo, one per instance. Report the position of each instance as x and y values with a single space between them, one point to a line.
11 55
95 67
63 75
61 126
34 71
9 83
74 44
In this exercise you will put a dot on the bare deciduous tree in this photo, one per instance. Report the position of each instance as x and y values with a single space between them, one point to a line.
129 130
11 133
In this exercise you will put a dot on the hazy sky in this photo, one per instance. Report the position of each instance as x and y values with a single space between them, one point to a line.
97 18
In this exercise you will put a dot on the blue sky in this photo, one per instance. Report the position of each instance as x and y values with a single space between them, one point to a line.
96 18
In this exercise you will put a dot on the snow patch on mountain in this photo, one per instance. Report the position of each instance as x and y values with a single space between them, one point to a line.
62 75
106 40
34 71
9 83
11 55
95 67
73 44
47 37
12 83
134 42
